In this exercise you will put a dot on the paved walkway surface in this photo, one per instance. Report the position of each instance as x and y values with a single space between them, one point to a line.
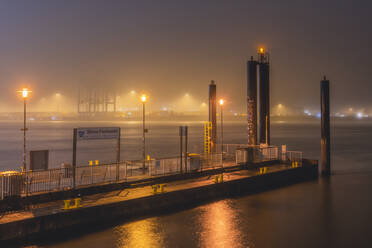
132 193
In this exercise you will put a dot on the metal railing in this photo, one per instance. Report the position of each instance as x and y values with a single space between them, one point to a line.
32 182
291 157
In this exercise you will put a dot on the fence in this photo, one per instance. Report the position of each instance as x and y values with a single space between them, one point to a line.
292 157
32 182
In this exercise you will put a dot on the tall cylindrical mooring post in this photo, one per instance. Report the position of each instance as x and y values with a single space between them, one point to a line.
212 115
252 101
325 126
264 97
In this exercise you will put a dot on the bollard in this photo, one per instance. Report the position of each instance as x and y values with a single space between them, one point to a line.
90 162
162 188
296 164
264 170
216 179
148 157
221 178
67 204
154 188
77 202
97 162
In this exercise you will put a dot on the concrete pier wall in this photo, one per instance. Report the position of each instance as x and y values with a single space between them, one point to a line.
153 204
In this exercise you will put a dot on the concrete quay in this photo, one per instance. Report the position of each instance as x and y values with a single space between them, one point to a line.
131 202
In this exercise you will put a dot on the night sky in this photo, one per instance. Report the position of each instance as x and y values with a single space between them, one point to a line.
172 47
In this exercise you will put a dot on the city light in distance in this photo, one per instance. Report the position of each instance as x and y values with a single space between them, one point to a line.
221 102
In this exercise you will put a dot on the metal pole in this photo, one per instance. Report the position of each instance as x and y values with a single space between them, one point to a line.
266 134
186 141
222 130
118 156
325 128
74 158
24 135
181 149
143 137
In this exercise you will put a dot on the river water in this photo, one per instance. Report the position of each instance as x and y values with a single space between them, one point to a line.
323 213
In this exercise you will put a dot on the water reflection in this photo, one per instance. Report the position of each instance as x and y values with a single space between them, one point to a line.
220 226
142 233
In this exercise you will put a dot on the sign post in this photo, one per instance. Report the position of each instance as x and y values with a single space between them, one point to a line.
74 158
183 133
95 133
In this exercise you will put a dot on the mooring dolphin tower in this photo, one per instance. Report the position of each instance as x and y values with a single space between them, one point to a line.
212 115
258 99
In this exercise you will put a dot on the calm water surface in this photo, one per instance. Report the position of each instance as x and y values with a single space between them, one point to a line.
324 213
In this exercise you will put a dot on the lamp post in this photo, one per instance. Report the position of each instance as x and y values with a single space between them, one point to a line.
144 131
25 93
221 109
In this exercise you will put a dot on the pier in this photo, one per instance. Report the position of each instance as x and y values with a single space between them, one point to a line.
138 197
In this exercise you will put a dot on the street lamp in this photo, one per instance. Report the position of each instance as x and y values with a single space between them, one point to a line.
221 109
144 131
25 92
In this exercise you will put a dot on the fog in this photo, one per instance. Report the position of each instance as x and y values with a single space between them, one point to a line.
170 49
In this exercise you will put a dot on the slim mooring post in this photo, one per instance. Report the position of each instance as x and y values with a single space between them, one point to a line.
186 141
213 115
325 126
118 155
181 148
183 133
74 158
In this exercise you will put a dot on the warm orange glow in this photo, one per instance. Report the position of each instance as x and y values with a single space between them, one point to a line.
143 98
261 50
24 92
221 102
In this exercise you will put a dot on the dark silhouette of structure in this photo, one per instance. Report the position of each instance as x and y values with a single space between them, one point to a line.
212 114
258 99
325 128
96 101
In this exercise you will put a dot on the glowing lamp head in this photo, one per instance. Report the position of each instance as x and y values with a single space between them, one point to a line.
261 50
24 92
221 102
143 98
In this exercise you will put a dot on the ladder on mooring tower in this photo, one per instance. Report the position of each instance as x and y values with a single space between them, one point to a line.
207 137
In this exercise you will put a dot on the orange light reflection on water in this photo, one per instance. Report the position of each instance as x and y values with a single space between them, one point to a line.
142 233
219 226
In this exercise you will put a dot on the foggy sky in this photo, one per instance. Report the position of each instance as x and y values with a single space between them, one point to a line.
169 48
